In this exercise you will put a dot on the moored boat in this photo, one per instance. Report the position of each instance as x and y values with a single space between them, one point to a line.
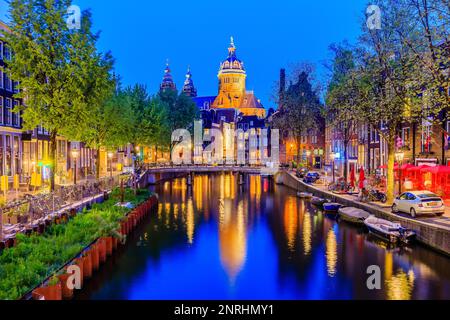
331 209
390 231
353 215
331 206
319 202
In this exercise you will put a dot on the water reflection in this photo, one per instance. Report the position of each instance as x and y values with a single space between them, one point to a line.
233 239
331 253
217 239
290 214
307 233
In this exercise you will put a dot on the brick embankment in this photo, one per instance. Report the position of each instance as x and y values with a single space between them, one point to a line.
436 236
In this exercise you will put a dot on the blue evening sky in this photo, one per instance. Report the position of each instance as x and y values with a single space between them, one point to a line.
268 34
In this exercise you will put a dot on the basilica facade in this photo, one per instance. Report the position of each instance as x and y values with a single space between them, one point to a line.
233 107
232 101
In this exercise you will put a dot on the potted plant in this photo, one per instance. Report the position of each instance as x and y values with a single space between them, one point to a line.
67 293
52 290
87 264
95 256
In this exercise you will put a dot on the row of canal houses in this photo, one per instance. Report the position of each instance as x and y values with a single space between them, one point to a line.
23 153
421 142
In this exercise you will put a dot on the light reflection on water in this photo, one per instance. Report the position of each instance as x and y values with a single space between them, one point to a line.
219 240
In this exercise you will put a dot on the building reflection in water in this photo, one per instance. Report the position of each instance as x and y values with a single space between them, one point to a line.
400 285
232 229
307 233
331 252
290 219
190 221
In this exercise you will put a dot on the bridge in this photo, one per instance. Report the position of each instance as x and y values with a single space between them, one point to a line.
157 174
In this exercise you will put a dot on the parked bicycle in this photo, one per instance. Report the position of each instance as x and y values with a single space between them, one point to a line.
340 186
372 195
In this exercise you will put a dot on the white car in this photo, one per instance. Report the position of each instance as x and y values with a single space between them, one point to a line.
417 202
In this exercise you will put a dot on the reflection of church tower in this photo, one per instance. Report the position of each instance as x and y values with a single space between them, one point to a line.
188 87
233 238
167 82
231 81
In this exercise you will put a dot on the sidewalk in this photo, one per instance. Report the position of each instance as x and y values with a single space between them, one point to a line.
12 195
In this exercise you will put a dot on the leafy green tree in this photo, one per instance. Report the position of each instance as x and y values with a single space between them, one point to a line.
181 111
387 80
341 98
56 68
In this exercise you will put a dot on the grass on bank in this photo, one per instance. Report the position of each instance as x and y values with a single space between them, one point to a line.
39 256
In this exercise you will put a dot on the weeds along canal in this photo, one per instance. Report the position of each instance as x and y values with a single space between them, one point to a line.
217 239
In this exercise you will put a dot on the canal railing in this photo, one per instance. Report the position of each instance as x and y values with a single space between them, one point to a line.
25 215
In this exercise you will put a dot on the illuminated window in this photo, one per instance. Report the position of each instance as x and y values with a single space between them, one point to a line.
16 115
405 136
426 138
8 107
7 51
8 82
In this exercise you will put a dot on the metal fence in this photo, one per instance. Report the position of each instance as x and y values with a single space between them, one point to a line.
32 207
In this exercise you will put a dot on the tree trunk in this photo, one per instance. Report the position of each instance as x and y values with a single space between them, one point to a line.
53 159
443 162
298 141
414 129
97 164
390 183
156 154
369 167
345 162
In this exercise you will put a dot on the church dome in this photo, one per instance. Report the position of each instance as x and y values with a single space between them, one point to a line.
167 82
232 64
188 87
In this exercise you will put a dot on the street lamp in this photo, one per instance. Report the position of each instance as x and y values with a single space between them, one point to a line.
332 157
110 156
399 155
308 154
75 154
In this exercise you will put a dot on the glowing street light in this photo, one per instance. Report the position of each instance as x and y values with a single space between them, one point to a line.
75 154
332 157
110 156
308 155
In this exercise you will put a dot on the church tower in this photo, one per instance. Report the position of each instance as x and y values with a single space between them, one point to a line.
232 77
167 82
188 87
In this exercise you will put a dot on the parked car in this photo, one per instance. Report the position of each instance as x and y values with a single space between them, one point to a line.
311 177
418 202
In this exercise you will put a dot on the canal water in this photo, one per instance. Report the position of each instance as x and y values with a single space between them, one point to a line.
218 240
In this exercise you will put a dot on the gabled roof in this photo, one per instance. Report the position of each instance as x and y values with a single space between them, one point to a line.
250 101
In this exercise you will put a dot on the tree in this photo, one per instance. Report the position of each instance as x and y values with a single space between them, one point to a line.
342 96
56 68
388 80
181 112
300 110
